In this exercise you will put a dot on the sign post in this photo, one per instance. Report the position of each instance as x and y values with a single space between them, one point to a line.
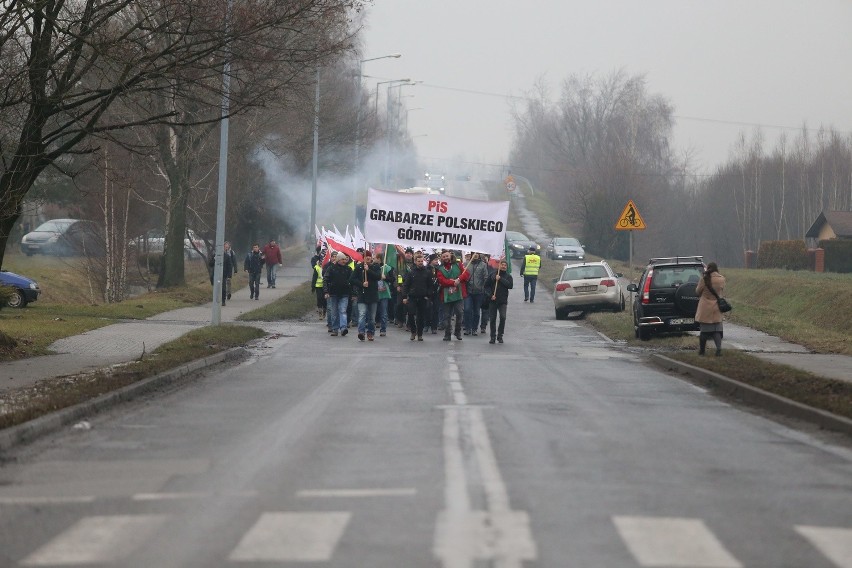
630 220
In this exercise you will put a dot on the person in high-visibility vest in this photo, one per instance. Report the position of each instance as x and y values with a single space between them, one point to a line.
316 281
529 270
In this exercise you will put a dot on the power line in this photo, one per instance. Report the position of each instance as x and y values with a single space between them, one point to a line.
677 116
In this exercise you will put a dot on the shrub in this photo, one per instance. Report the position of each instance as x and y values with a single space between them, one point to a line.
5 295
838 255
150 261
790 255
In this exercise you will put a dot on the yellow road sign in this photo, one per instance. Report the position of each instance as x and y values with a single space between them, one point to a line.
630 220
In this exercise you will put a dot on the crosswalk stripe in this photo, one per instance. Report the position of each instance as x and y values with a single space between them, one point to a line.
834 543
96 540
670 542
292 537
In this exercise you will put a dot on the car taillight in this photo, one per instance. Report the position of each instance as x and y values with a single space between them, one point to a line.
646 290
562 286
609 283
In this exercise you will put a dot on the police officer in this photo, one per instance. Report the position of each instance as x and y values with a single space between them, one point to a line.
529 270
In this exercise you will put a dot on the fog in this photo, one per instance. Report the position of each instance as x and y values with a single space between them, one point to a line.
726 66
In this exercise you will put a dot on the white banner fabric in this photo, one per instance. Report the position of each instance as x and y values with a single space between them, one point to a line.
425 221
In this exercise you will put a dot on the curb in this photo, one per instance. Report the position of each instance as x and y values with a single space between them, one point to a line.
755 396
29 431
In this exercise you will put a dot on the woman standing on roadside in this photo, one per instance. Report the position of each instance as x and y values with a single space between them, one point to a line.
708 315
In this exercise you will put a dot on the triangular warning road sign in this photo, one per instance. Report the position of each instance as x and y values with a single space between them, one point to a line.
630 220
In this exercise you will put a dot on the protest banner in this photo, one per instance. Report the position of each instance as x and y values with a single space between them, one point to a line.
436 221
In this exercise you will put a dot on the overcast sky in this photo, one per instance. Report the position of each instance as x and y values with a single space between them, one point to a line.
771 62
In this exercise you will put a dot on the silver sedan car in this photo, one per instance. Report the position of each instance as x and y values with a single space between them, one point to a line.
587 287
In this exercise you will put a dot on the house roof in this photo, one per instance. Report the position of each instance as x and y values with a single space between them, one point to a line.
839 221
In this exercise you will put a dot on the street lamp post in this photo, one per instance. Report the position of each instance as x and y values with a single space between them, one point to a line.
388 120
361 63
408 110
219 241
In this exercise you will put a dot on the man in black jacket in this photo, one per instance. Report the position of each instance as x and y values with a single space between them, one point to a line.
365 286
336 282
417 288
498 285
254 263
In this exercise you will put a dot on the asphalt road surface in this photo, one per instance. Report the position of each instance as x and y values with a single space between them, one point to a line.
554 449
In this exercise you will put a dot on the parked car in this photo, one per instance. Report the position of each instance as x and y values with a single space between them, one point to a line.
153 241
65 237
587 287
565 248
519 244
26 290
665 296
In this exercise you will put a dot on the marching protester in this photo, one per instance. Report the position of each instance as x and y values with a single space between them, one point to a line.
408 263
318 256
336 282
384 287
529 270
272 254
452 279
498 285
316 283
486 298
417 287
364 281
435 317
254 266
331 262
475 294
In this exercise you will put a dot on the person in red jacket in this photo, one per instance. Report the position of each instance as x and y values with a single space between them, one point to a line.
273 261
452 278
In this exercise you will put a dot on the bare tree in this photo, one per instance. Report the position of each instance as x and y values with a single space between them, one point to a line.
64 64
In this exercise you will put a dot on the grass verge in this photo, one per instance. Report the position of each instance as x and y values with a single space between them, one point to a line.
831 395
295 305
27 403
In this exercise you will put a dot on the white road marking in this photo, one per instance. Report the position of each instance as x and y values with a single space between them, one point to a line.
462 535
188 495
402 492
96 540
292 537
834 543
45 500
673 542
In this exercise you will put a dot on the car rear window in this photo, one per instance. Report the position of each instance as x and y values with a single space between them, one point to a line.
673 276
584 272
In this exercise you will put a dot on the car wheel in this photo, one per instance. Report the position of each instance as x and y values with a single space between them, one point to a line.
561 314
17 300
621 306
644 333
686 300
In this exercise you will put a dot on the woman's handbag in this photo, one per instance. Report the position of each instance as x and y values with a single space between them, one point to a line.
724 305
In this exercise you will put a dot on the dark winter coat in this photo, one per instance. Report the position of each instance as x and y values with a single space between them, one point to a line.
370 294
254 262
336 280
419 282
478 275
503 287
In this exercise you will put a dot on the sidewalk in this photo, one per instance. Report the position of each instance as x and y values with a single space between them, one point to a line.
125 341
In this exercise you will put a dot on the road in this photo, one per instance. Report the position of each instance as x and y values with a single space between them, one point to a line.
557 448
